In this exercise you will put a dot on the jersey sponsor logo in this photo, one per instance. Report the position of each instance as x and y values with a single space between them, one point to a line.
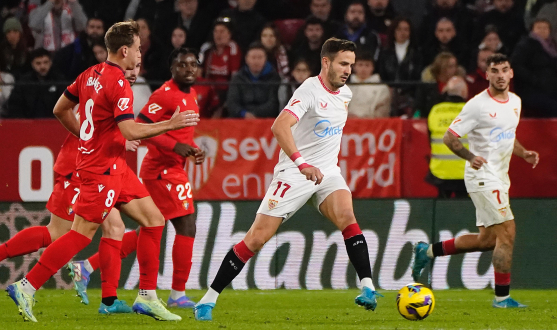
272 204
121 83
324 129
323 105
497 134
95 83
168 186
66 184
493 115
166 89
123 103
153 108
294 102
101 187
184 101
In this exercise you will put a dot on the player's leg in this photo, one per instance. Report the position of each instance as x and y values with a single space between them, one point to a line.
337 207
182 251
146 214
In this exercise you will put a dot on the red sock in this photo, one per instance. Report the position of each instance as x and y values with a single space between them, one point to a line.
26 241
449 247
181 260
110 264
502 284
148 250
129 243
351 231
94 260
56 256
242 251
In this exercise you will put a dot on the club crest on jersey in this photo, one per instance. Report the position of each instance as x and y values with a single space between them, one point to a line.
153 108
168 186
272 204
346 105
516 111
123 103
323 105
101 187
186 205
294 102
95 83
105 213
70 210
503 212
66 184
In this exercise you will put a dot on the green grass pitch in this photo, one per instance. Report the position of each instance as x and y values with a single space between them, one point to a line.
288 309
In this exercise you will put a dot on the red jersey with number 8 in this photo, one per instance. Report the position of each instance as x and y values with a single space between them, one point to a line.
105 98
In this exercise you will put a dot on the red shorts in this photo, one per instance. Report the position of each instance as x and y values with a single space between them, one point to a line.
63 197
100 193
172 196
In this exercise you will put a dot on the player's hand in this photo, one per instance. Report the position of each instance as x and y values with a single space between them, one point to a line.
477 162
313 174
184 150
199 156
532 157
132 145
183 119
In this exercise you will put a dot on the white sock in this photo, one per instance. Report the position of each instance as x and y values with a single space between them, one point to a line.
366 281
88 266
148 294
174 295
430 251
209 297
27 287
499 299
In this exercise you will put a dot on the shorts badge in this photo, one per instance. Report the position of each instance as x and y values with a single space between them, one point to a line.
272 204
186 205
105 213
503 212
70 210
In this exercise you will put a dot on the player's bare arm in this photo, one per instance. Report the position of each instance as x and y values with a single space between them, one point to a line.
529 156
132 130
63 110
453 143
282 131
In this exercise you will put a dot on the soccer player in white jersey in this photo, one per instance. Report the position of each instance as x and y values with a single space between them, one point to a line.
309 131
490 120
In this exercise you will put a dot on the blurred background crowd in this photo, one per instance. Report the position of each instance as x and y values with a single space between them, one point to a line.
254 53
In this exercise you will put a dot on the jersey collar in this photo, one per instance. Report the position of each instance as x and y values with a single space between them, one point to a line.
496 100
116 66
327 88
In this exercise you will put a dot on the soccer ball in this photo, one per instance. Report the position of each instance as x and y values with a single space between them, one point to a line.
415 302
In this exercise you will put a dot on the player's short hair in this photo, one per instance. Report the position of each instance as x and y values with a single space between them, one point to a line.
39 52
182 51
365 56
497 58
333 46
121 34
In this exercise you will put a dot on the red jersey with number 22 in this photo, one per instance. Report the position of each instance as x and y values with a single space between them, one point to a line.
105 98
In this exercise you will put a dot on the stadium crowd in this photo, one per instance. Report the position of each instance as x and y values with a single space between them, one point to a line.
254 54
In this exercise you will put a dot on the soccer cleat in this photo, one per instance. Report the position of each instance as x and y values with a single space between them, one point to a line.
368 298
420 259
154 309
118 307
24 301
204 312
182 302
80 278
508 303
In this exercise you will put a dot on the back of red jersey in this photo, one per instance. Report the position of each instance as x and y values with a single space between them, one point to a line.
66 160
105 99
161 106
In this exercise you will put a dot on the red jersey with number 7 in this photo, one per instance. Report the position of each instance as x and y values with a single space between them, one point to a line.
105 98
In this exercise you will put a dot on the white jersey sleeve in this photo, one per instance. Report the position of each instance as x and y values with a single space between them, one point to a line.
467 120
301 102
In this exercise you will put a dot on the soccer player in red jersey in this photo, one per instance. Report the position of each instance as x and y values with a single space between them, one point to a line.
105 108
163 174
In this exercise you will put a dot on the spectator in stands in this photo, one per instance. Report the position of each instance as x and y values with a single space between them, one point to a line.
140 88
492 41
179 37
36 101
76 57
246 22
534 62
476 80
355 29
380 16
154 54
197 23
444 67
108 11
252 93
461 17
100 52
300 72
413 9
221 57
276 53
548 11
508 20
141 8
14 57
6 87
446 170
56 23
322 10
309 47
401 61
446 40
368 101
207 97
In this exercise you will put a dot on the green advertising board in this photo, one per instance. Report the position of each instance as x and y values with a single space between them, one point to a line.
308 251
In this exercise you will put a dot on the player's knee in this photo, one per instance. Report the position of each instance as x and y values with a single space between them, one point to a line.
154 219
114 230
254 242
345 218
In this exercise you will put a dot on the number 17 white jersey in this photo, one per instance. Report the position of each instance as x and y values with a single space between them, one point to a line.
321 115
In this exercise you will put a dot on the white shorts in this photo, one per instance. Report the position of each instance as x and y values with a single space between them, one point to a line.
290 190
492 207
